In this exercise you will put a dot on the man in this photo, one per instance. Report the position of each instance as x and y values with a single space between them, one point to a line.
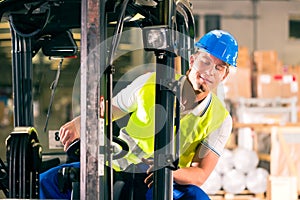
205 124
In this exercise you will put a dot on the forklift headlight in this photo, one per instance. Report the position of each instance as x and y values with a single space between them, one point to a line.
156 38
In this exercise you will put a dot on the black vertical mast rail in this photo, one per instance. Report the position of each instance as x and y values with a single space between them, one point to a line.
108 93
163 180
106 179
24 160
22 79
23 149
186 27
177 17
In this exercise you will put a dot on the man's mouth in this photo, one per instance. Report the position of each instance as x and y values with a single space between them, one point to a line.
200 89
205 79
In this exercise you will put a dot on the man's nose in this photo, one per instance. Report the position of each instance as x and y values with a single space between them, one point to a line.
210 71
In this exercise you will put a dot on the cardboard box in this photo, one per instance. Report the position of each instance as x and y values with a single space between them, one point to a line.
238 83
285 159
272 85
298 112
243 60
267 61
281 187
296 71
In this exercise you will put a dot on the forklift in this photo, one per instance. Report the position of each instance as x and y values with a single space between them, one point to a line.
168 31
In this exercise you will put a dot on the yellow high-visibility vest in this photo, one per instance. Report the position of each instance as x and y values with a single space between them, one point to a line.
193 129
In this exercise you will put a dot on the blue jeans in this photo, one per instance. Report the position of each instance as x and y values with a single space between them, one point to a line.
49 187
49 183
184 192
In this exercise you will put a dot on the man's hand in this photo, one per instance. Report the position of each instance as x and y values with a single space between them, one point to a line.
70 132
149 179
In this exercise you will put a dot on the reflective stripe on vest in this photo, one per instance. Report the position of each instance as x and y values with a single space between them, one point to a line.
134 154
193 129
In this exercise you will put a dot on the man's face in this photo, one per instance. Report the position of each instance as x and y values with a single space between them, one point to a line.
206 72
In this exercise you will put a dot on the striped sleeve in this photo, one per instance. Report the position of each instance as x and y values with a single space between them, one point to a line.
217 140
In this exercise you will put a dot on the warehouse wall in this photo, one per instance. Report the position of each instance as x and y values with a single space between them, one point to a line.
268 32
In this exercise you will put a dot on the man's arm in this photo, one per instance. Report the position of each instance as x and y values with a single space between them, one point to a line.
200 169
117 113
123 103
70 131
206 156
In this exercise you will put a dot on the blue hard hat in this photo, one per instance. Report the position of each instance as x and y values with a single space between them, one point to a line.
220 44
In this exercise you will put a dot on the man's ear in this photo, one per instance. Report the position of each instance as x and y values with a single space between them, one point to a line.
226 74
192 60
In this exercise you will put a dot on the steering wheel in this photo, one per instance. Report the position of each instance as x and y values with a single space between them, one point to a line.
73 151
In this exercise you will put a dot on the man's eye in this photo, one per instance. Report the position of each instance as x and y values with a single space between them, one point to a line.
206 63
220 67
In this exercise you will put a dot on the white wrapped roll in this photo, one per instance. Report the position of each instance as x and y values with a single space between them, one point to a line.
256 180
245 160
213 184
234 181
225 162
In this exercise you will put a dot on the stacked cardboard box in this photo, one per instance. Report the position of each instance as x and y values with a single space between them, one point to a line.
296 71
238 84
239 76
271 78
285 148
265 77
267 61
272 85
243 60
282 187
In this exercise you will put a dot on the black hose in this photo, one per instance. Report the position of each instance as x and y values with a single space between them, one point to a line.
117 33
35 32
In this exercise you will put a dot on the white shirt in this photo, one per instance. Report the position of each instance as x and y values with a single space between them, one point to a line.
216 141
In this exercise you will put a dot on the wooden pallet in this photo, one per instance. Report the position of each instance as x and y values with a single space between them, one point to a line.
245 195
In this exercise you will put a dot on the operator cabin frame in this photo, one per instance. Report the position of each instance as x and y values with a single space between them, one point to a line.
172 18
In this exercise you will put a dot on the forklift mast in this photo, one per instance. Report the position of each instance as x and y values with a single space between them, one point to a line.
46 25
